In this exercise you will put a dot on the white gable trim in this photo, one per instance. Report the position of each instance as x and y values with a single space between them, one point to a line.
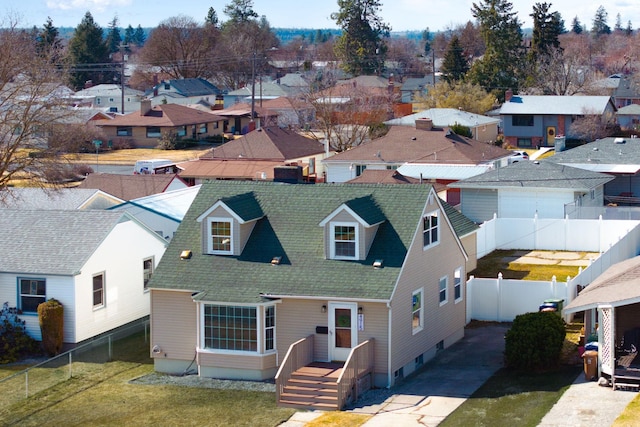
220 204
345 208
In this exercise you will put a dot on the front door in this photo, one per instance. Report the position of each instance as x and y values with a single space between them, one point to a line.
343 331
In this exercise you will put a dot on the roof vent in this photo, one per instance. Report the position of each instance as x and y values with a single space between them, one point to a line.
619 141
379 263
276 260
186 254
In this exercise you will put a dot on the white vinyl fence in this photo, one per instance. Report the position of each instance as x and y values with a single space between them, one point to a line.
498 299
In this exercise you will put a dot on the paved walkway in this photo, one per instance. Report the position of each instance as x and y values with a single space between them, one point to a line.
451 377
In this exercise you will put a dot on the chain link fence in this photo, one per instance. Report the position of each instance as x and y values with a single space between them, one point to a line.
85 360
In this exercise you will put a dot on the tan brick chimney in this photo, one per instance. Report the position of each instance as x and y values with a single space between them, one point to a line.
424 123
145 107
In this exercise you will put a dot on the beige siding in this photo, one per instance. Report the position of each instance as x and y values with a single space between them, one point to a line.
423 269
470 242
296 319
369 235
363 243
237 360
173 324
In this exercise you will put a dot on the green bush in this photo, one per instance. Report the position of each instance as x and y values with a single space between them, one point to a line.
535 341
461 130
15 343
51 318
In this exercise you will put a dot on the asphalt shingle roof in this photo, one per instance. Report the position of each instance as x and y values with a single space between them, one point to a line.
553 105
40 198
291 229
538 174
56 242
128 187
604 155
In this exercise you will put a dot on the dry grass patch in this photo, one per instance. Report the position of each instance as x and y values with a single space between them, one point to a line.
339 419
502 261
129 156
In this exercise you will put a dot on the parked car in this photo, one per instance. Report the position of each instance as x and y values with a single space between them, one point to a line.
518 156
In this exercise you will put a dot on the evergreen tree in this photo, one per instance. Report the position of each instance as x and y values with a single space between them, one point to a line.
501 66
89 55
547 27
113 36
455 64
361 47
48 41
138 36
600 26
618 26
240 11
576 27
128 35
426 39
212 18
629 30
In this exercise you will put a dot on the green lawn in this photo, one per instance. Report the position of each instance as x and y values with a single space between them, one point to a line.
513 398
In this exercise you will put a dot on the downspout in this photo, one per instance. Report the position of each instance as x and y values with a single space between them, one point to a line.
389 346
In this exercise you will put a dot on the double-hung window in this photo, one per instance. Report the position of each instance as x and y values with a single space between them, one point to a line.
154 132
417 309
98 290
33 292
457 285
344 241
147 271
220 238
124 131
443 290
430 229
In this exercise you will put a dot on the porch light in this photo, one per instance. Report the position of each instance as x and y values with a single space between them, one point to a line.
360 310
323 309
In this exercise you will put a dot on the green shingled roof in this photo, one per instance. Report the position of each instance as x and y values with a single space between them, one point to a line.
290 229
367 209
244 205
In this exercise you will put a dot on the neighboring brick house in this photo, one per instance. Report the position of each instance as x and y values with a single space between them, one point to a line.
536 121
144 128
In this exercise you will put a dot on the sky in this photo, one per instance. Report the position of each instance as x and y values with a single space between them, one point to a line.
401 15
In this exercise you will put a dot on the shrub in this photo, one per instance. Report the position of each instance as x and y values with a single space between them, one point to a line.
461 130
535 341
15 343
51 318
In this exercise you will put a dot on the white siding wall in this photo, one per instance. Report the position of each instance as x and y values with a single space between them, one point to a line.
176 184
58 287
528 202
479 205
120 257
341 172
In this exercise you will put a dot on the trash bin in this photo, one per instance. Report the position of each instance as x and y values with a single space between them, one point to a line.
558 303
548 307
590 365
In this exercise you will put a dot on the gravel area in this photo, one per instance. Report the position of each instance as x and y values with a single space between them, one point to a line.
196 381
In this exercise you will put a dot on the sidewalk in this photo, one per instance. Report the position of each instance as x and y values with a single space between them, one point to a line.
456 373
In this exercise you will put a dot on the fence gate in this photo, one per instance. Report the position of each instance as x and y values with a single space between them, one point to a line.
606 344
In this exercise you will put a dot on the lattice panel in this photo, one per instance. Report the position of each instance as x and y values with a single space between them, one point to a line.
605 332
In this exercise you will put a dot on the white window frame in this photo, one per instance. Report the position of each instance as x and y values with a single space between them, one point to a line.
332 231
419 310
103 291
428 230
147 272
210 249
457 285
21 295
443 290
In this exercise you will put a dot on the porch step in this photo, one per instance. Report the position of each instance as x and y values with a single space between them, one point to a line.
312 387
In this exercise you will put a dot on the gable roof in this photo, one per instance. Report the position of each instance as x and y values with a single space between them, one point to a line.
63 198
556 104
229 169
170 204
164 115
193 87
267 143
290 229
444 117
53 242
128 187
630 110
408 144
536 174
383 176
107 89
610 155
617 286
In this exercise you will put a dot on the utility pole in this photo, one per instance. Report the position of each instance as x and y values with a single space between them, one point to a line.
122 48
253 87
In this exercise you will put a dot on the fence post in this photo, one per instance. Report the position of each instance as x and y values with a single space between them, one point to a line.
499 295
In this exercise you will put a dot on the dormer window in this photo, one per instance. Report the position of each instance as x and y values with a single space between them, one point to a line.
344 243
220 238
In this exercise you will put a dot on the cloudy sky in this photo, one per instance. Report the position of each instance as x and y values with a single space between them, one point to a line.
400 14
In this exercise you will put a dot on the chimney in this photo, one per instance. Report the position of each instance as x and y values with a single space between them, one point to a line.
145 107
424 123
508 95
88 84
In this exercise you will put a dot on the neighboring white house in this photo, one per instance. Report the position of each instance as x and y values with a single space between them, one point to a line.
108 97
526 189
96 263
161 212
